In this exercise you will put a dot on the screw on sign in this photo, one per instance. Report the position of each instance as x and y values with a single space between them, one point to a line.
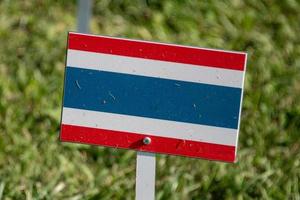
159 98
147 140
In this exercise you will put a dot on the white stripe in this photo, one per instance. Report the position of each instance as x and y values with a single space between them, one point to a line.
155 68
155 127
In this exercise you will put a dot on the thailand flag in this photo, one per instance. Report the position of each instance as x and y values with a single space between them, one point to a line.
187 100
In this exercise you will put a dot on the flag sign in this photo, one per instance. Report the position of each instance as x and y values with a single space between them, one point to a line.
153 97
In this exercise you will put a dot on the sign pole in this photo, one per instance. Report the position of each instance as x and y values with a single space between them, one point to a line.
145 176
84 15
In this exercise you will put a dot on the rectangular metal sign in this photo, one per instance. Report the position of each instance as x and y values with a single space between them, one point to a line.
186 100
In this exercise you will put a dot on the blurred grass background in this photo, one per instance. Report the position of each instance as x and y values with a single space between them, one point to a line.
35 165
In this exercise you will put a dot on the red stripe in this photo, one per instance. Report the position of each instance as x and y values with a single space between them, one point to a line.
157 51
118 139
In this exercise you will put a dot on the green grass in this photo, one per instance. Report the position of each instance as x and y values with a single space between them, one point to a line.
35 165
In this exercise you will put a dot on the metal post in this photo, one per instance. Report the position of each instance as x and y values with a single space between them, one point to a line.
145 176
84 15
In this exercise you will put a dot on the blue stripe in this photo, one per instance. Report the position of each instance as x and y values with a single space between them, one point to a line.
152 97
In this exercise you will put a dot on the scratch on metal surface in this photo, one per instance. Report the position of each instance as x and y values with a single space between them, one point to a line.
180 144
77 83
177 84
200 150
112 96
